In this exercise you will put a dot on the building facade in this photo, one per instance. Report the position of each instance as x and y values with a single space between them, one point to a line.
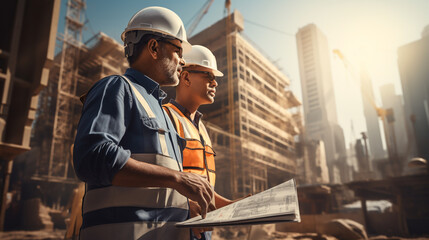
414 73
320 111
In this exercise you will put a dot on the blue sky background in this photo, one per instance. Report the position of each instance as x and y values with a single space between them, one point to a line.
366 31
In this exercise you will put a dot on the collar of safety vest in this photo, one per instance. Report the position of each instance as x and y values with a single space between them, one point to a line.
198 115
150 85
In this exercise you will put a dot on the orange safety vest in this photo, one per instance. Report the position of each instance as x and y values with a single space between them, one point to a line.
198 155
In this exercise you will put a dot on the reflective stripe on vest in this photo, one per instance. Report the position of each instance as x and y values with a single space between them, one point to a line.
138 209
150 114
196 157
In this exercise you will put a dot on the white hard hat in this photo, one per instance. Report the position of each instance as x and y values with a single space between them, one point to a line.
202 56
157 20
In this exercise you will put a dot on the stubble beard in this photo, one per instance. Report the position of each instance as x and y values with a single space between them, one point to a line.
171 75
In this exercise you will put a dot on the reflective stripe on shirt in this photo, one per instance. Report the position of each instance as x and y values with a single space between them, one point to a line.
115 196
149 112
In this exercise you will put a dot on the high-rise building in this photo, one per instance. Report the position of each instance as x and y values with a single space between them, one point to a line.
375 143
397 131
320 111
413 61
263 152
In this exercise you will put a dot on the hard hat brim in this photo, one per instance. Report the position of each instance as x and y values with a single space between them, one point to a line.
216 72
185 44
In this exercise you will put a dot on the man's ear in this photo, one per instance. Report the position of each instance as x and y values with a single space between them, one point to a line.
184 77
153 48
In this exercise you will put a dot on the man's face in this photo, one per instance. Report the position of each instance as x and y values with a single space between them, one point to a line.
203 84
171 61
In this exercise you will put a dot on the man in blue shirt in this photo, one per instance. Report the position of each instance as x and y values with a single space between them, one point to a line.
126 148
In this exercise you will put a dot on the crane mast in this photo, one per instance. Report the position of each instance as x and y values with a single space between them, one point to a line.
198 18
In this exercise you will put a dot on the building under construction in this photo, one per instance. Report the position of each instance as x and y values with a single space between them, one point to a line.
250 123
77 69
26 54
77 66
60 107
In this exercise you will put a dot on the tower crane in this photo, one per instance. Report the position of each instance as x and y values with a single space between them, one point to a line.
198 17
386 115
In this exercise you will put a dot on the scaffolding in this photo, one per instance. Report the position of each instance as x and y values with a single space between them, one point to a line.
77 67
62 137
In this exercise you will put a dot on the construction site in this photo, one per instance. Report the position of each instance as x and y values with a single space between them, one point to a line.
256 125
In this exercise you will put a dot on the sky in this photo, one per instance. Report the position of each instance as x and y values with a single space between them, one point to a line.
367 32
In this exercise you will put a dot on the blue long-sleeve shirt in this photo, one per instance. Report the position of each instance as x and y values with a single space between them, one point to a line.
114 124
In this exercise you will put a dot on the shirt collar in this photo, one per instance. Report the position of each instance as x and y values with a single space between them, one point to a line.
198 115
144 81
162 94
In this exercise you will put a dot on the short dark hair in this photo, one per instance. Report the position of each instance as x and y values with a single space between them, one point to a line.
138 47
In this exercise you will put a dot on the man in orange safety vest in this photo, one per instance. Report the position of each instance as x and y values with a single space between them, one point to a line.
197 87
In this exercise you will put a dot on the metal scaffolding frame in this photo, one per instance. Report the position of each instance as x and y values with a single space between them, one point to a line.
77 67
62 138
